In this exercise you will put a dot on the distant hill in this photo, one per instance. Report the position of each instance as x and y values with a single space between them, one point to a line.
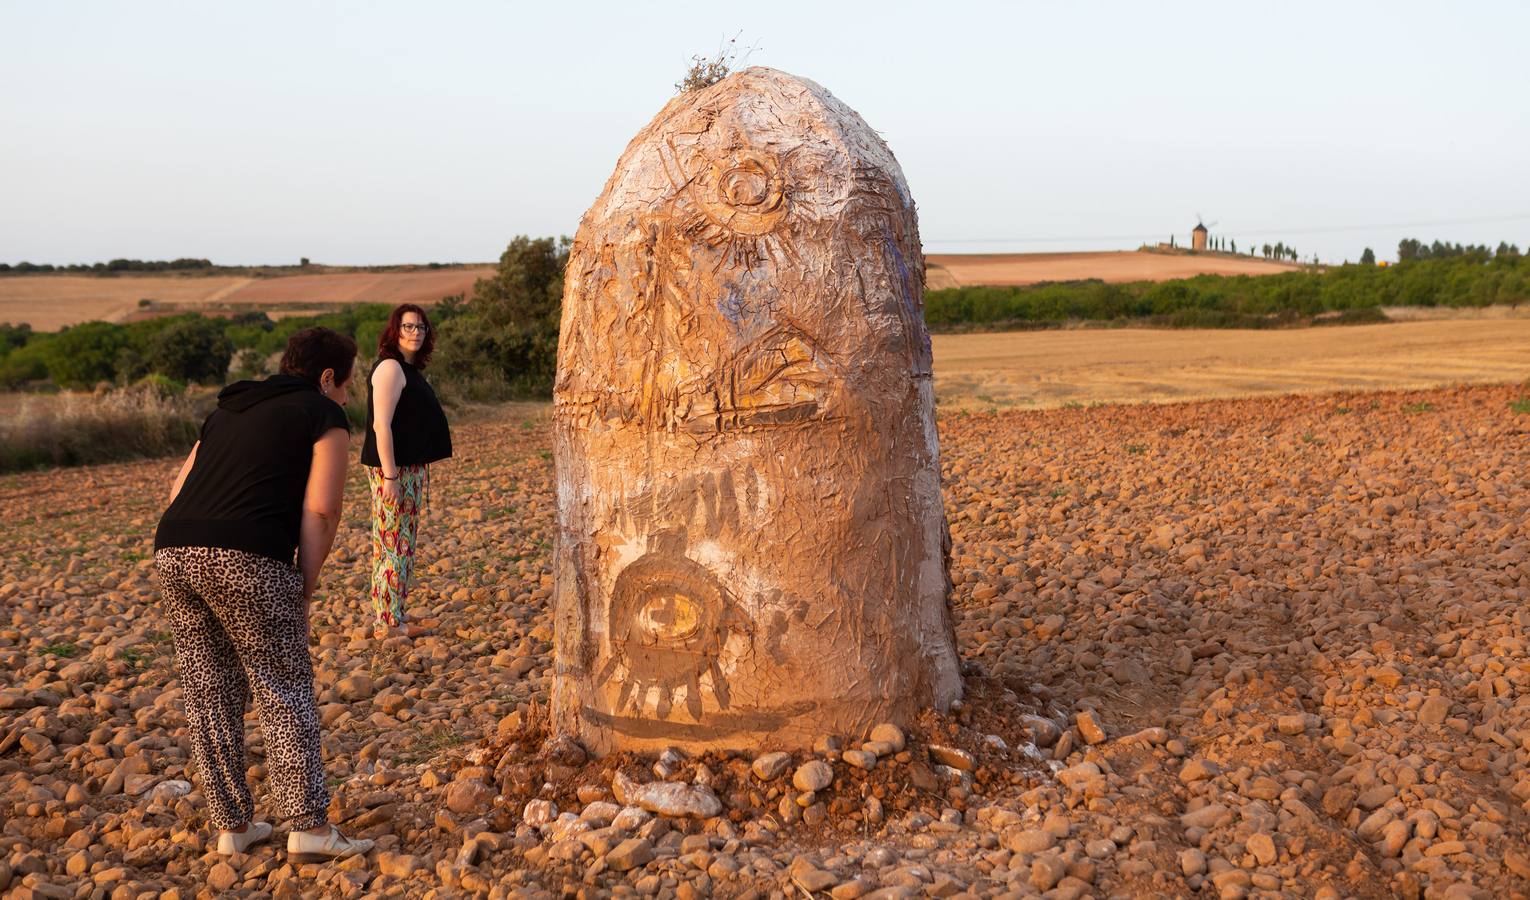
948 270
50 302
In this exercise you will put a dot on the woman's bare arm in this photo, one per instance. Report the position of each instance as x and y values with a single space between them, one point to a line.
321 505
387 387
180 477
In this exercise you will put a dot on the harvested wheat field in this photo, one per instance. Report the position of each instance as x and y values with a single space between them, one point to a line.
1270 646
947 270
51 302
358 287
1052 368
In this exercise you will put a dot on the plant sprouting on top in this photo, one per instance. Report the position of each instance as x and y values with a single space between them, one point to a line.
707 71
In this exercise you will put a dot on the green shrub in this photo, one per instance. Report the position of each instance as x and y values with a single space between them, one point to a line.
249 363
367 335
13 337
487 387
246 330
191 349
508 333
84 355
26 364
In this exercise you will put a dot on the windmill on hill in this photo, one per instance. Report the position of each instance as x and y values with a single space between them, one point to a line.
1200 234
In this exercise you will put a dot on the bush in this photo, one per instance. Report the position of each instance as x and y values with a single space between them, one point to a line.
80 429
246 330
13 337
367 335
249 363
488 387
508 333
83 355
25 365
191 349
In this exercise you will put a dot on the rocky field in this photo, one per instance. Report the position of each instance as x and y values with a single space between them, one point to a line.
1269 647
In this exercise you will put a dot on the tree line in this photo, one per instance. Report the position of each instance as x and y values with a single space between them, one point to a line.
1353 292
195 266
503 342
1409 250
115 265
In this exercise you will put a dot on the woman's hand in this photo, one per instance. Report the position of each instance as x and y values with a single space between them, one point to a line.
321 505
391 492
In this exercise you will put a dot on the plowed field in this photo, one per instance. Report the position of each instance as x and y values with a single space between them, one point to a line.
1275 647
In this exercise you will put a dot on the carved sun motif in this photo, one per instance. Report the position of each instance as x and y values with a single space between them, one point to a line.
738 204
745 196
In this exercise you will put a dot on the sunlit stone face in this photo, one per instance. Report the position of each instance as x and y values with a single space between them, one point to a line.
751 541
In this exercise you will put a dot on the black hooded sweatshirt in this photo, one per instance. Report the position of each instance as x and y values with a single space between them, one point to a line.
245 490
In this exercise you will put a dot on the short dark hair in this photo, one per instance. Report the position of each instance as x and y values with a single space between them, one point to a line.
387 342
312 350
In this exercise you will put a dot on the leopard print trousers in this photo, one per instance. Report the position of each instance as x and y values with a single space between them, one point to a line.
239 622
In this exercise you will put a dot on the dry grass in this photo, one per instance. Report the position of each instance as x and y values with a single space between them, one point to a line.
82 429
1436 313
948 270
1087 366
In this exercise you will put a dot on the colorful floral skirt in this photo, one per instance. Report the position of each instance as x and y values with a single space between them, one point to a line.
395 528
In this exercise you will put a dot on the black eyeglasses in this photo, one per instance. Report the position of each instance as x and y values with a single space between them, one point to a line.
412 328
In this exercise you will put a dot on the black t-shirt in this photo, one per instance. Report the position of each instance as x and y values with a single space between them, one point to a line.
420 432
245 490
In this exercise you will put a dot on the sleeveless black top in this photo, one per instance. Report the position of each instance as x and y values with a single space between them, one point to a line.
420 432
245 490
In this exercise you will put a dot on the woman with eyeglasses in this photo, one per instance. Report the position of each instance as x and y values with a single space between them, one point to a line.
406 432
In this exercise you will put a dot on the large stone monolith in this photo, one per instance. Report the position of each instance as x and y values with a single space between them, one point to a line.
751 544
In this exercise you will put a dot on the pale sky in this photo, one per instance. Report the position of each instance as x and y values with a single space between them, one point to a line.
393 132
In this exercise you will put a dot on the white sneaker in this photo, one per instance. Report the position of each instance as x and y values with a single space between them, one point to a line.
231 843
303 847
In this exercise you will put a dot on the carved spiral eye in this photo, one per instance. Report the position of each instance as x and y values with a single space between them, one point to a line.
745 195
670 617
666 601
748 184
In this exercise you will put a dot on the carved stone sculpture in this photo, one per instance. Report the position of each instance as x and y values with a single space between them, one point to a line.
751 543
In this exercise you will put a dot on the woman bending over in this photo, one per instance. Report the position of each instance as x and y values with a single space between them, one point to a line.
263 481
